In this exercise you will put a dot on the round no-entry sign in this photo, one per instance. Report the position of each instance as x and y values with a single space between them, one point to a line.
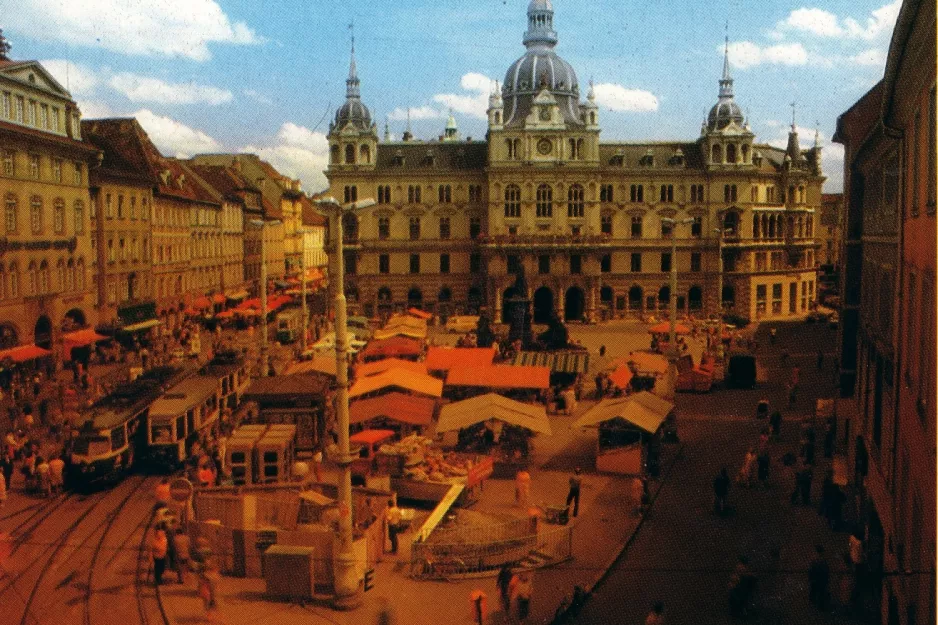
180 490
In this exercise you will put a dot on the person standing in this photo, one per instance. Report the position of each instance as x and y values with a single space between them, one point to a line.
574 493
522 488
521 590
819 575
503 581
721 489
159 547
392 518
656 616
744 478
161 493
775 422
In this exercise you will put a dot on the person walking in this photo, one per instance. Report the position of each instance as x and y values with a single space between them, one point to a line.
392 518
42 477
159 547
521 590
503 581
775 423
819 578
574 493
744 477
656 616
721 489
522 488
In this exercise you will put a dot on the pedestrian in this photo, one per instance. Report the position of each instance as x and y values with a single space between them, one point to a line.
656 616
521 590
161 494
827 495
574 493
159 547
317 465
42 477
6 466
744 477
602 351
721 488
599 385
819 578
392 518
503 581
522 488
183 548
763 461
775 422
772 333
820 360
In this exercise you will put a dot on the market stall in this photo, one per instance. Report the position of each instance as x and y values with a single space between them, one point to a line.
440 360
493 425
368 369
77 345
397 379
394 347
401 413
520 382
630 431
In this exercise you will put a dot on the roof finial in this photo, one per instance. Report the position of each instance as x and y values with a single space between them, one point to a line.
817 134
352 84
726 81
387 130
793 105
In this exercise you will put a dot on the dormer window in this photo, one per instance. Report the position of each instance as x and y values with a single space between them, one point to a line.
398 158
648 160
428 159
677 159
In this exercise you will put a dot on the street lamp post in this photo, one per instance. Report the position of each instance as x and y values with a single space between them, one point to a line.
347 594
719 232
262 224
672 333
303 232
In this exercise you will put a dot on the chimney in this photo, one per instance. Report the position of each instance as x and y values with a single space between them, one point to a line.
236 164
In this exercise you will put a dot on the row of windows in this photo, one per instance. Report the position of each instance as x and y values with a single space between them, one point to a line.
128 208
774 226
414 194
363 153
414 228
128 250
37 223
36 167
69 276
19 109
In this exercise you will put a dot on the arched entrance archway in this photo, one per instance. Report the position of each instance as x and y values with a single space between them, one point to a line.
635 298
664 297
43 332
473 300
574 304
728 297
75 318
695 298
507 294
415 298
605 295
445 295
543 305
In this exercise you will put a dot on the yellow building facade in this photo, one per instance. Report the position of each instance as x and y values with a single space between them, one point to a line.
45 235
586 220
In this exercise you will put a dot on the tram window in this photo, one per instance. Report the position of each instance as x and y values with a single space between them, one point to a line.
118 438
190 422
238 473
161 433
237 457
270 456
180 428
270 471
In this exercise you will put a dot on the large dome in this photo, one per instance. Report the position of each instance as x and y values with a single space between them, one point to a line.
354 112
723 113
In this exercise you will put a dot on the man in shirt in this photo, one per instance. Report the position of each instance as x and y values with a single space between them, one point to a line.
392 518
574 493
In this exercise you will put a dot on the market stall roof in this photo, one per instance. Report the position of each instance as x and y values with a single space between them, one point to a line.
379 366
394 346
82 337
474 410
405 320
237 294
419 314
401 330
202 302
286 385
23 353
225 314
370 437
396 406
643 410
219 298
500 376
445 358
319 364
398 379
665 328
567 361
142 325
621 377
647 362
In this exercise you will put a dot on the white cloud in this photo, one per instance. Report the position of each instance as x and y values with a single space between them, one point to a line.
94 109
173 28
875 57
745 54
821 23
615 97
258 96
174 138
476 103
297 152
416 113
145 89
80 80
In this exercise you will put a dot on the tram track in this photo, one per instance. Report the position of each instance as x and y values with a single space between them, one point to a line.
41 512
13 515
54 549
141 578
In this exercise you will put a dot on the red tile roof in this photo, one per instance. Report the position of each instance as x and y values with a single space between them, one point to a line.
47 137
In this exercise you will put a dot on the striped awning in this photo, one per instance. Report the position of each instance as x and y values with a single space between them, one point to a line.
557 362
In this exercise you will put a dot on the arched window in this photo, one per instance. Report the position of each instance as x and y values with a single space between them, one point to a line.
510 147
800 233
545 201
14 281
33 279
512 201
575 201
9 214
745 153
80 275
731 223
70 275
772 226
44 277
365 153
60 279
3 283
716 155
731 153
35 214
809 226
334 154
58 216
755 226
79 216
498 117
349 154
765 226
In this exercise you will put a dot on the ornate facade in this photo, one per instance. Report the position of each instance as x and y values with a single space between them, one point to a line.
455 219
45 235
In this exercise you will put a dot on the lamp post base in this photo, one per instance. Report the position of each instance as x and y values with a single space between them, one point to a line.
348 590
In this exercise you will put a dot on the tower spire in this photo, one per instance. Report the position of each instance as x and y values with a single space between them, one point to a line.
352 84
726 81
540 31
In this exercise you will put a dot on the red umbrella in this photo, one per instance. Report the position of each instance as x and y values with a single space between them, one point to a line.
665 327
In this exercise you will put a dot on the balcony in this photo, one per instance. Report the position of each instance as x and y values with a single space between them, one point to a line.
548 241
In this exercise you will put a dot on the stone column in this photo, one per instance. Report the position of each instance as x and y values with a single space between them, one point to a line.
591 296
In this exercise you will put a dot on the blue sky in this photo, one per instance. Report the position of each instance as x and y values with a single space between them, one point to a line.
211 75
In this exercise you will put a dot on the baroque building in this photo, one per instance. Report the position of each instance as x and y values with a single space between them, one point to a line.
45 234
584 218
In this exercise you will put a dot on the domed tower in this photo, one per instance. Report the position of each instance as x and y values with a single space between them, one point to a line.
539 116
353 135
726 138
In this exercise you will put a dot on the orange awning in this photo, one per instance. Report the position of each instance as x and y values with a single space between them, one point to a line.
226 314
24 353
395 406
445 358
370 437
395 346
379 366
79 338
319 364
218 298
397 379
646 362
419 314
621 377
202 302
665 327
500 376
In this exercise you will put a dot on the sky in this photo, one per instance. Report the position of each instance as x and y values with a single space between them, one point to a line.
267 77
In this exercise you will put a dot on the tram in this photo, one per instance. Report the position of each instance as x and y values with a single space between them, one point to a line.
186 413
230 369
109 438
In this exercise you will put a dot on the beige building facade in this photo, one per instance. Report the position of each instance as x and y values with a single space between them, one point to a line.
45 236
586 220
